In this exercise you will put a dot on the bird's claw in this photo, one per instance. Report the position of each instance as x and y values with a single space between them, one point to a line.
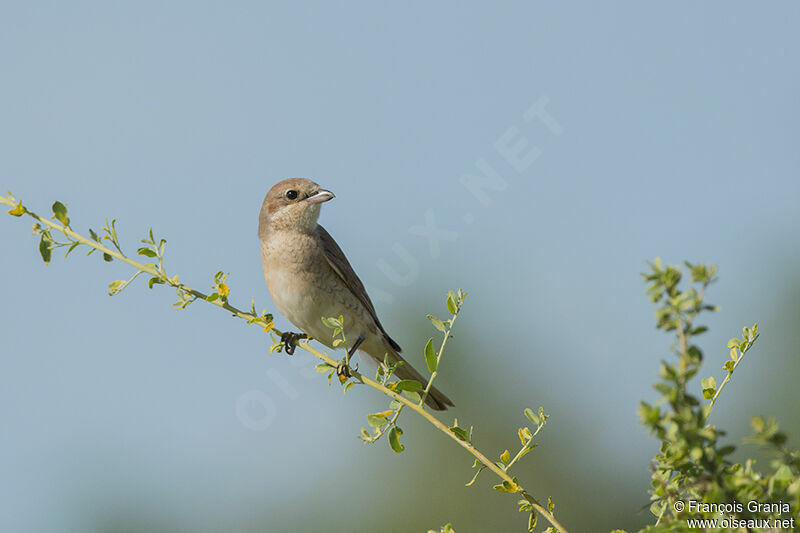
344 370
289 340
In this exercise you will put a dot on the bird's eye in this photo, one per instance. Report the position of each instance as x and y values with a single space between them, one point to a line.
291 195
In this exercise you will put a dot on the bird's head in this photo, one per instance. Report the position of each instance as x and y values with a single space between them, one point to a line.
292 204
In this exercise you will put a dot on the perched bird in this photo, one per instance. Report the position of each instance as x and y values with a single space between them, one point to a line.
309 278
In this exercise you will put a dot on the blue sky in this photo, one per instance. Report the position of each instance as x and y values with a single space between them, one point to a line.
672 132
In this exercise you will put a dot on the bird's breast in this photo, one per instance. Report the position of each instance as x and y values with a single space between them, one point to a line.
289 271
305 288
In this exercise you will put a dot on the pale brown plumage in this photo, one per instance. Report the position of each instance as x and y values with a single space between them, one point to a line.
341 266
309 277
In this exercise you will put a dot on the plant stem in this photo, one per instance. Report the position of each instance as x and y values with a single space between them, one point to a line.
441 427
725 382
439 356
145 268
527 446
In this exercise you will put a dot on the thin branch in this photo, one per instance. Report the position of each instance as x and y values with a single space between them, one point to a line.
728 377
524 448
439 355
255 319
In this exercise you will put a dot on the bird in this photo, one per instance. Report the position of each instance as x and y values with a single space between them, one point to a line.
309 278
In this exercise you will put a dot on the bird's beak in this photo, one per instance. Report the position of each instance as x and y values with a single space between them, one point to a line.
320 196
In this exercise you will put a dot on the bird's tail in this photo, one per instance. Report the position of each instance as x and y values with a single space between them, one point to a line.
436 399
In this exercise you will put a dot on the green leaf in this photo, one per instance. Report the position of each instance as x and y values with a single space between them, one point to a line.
409 385
507 486
72 247
531 416
323 368
376 421
438 324
709 387
726 450
366 437
532 522
212 297
114 286
45 250
505 456
60 213
107 258
146 251
413 397
332 323
657 508
451 303
430 357
394 439
461 433
152 281
783 474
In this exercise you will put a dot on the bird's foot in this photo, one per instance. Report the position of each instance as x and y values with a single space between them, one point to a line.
289 340
344 370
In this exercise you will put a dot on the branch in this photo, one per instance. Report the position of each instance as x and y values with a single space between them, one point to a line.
738 347
219 298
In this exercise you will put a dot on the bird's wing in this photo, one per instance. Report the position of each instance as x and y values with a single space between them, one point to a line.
340 265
